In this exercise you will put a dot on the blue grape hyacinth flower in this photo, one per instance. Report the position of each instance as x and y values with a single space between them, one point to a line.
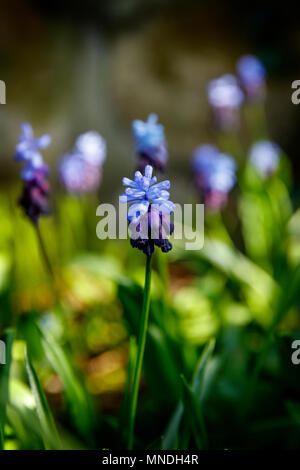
214 175
264 156
149 211
150 142
252 76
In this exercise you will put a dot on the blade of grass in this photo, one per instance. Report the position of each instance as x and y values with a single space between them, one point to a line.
4 381
125 400
81 407
48 428
193 414
174 423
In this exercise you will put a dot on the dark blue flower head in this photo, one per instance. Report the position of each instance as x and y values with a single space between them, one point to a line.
35 196
252 76
214 174
264 156
149 211
150 142
225 97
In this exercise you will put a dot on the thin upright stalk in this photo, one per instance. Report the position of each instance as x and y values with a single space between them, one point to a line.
140 352
44 252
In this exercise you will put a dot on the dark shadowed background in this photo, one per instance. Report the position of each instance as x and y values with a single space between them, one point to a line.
73 66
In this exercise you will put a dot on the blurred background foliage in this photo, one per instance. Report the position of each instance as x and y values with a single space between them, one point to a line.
222 319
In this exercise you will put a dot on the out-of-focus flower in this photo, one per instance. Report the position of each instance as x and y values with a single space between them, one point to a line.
36 189
77 175
150 142
92 147
214 174
28 147
252 76
81 169
225 97
149 211
264 156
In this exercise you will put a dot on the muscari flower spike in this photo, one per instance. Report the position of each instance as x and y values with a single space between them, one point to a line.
264 156
214 174
225 97
36 189
252 76
81 169
149 211
150 142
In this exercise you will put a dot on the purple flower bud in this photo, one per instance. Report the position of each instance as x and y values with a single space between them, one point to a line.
34 199
264 156
252 76
158 227
150 143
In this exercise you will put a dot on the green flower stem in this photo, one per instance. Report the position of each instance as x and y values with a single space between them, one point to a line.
140 353
44 252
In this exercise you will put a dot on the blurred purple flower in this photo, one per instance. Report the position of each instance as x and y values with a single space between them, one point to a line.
150 142
79 176
214 174
149 211
264 156
81 169
252 76
225 97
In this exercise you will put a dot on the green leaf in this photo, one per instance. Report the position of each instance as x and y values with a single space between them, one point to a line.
48 428
197 386
4 380
193 414
81 407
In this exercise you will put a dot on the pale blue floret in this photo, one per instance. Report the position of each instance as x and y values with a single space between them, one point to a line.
217 170
92 147
147 135
28 147
143 191
224 92
251 70
264 156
